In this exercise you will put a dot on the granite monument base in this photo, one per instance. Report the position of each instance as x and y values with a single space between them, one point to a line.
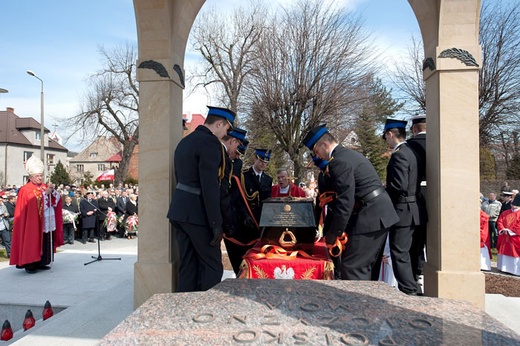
287 312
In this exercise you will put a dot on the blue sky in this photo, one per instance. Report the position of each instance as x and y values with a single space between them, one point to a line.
59 40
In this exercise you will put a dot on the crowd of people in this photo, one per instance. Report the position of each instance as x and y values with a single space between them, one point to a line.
43 217
500 230
216 199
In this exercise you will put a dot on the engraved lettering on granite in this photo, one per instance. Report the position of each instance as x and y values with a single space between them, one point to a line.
246 336
360 321
271 320
204 318
272 306
390 322
311 307
335 307
241 319
387 341
329 338
354 339
302 321
420 323
301 338
276 338
331 321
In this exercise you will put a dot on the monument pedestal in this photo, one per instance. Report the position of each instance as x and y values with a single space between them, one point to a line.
290 312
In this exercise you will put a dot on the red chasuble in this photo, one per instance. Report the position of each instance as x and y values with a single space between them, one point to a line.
28 225
294 191
507 244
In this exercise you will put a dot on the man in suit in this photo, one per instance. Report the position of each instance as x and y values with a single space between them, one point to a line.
88 209
402 185
418 144
362 207
121 210
257 183
69 223
106 204
195 207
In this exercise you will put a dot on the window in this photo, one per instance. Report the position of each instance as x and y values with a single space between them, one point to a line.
93 155
101 167
38 136
80 168
50 159
26 155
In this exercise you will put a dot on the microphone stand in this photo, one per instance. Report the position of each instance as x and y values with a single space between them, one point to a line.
98 257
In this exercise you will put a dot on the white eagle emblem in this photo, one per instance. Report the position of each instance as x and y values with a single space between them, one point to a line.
284 273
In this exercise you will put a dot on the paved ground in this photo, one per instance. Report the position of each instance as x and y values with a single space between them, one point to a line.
98 296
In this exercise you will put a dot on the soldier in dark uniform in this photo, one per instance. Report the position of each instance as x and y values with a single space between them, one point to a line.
257 183
195 207
232 203
418 144
402 185
362 208
237 163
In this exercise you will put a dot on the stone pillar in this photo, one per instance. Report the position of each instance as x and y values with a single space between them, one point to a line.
452 58
163 27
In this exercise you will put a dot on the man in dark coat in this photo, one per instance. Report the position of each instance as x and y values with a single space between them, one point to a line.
362 207
195 207
88 208
402 185
106 204
257 183
418 145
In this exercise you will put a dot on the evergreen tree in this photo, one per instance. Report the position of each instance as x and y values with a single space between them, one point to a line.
375 110
87 181
60 175
487 165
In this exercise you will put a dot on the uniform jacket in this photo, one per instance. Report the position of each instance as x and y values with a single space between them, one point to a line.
198 157
225 196
418 145
402 184
353 177
263 187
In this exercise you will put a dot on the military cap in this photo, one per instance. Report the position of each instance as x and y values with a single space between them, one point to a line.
314 135
238 134
263 154
225 113
418 119
394 124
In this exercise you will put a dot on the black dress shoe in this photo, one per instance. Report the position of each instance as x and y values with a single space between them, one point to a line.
91 240
30 270
42 267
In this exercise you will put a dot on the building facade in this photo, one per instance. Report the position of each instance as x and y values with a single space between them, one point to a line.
20 138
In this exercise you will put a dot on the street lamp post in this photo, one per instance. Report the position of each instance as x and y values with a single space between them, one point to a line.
42 127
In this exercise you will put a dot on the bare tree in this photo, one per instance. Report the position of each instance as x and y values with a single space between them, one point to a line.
408 78
310 61
499 83
110 106
226 44
499 77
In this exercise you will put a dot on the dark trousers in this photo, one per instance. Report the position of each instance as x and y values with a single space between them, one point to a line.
362 255
200 263
6 240
493 234
87 232
68 233
417 250
400 244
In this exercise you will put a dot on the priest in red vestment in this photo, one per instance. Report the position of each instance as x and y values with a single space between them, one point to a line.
37 217
285 188
508 243
485 242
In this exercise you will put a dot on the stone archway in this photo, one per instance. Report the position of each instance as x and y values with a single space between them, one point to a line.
450 33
